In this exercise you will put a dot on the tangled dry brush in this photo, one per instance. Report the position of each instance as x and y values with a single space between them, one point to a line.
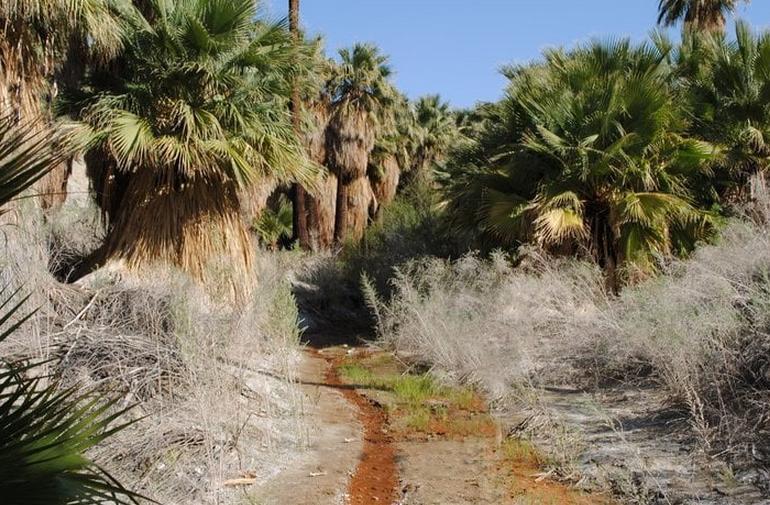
212 381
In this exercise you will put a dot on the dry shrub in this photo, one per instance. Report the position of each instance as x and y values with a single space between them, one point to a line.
699 332
482 321
213 380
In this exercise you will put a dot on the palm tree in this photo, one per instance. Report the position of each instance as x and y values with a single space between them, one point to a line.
698 15
315 100
588 155
361 92
437 129
46 45
197 110
299 216
393 151
322 202
729 85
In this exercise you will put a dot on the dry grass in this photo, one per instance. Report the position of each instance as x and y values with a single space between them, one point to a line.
214 380
698 333
480 321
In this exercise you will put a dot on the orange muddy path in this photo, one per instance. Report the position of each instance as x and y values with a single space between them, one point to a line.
375 479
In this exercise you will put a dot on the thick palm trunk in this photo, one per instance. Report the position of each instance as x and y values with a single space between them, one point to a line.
386 185
321 213
358 204
351 143
321 204
25 82
603 249
162 218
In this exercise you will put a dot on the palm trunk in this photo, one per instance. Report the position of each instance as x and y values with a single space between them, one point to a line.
358 204
351 143
299 195
340 215
385 186
24 81
164 218
604 251
321 207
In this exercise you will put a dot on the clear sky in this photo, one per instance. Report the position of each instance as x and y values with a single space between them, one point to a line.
455 47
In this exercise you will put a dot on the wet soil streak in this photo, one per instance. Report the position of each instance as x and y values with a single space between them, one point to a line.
375 479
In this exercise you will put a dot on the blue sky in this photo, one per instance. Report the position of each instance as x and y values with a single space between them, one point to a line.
455 47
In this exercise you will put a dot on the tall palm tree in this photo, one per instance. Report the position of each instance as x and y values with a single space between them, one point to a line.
45 45
197 110
361 93
698 15
588 156
299 201
321 203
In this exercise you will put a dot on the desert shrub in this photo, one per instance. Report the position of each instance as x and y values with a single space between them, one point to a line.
698 332
72 235
214 378
481 321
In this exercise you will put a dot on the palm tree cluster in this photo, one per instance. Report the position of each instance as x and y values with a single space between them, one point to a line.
366 135
621 153
195 112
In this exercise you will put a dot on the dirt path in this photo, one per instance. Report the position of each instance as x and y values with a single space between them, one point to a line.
385 437
323 472
374 480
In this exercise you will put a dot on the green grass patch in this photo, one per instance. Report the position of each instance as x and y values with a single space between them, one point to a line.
408 388
418 402
415 389
418 419
464 398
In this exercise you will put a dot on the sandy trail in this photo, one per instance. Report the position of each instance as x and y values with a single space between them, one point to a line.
322 475
375 479
357 458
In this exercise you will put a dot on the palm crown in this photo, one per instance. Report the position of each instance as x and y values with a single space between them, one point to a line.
199 95
729 85
587 155
198 109
706 15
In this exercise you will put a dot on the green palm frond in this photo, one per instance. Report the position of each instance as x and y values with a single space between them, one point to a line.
589 152
274 225
707 15
557 225
27 152
203 92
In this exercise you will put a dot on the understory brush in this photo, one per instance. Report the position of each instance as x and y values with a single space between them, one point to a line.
410 227
481 321
213 380
699 333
